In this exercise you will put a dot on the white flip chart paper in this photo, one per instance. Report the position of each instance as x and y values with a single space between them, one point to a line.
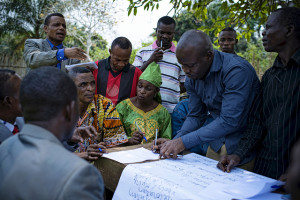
190 177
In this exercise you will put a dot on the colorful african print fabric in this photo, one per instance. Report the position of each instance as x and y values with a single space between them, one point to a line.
102 114
158 118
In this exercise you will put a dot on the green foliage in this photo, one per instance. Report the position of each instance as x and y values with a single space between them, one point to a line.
258 57
134 51
185 21
19 20
132 56
238 13
12 45
24 17
89 17
97 53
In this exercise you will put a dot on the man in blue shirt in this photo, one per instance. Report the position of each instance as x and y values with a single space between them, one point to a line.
221 86
50 51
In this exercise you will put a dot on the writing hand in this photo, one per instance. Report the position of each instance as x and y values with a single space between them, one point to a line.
228 162
93 151
75 53
159 143
136 138
171 148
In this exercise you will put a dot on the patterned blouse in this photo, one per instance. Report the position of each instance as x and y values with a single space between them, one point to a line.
102 114
133 117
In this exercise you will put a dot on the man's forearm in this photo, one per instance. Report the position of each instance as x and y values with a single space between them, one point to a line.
145 65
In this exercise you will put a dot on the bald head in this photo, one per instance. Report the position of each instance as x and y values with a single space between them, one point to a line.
195 39
195 53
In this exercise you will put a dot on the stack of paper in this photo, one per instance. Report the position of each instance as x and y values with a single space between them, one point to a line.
132 156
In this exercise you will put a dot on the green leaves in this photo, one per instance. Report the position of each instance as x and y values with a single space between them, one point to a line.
135 11
235 13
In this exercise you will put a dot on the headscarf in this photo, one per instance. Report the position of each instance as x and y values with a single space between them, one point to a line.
152 74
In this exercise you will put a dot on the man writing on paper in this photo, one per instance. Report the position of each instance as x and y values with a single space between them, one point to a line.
34 163
222 87
50 51
227 41
274 124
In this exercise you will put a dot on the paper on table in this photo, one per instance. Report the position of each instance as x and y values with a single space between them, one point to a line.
267 196
250 188
132 156
185 178
90 65
244 189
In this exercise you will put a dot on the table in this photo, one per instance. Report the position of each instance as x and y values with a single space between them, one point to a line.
111 170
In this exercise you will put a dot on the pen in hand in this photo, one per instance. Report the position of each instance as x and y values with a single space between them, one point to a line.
141 131
155 138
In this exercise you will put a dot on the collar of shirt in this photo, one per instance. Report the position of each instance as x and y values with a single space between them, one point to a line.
172 48
216 64
60 46
295 58
8 125
108 67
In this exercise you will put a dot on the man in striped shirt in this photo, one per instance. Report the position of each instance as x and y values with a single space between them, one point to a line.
162 51
274 124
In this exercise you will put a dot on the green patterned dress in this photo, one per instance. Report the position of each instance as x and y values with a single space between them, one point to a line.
148 122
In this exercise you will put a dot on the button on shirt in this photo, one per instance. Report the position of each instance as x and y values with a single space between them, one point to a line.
60 55
226 93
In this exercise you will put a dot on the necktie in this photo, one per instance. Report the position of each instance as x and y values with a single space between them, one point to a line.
16 129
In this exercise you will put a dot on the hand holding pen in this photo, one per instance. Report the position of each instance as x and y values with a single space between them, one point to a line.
157 144
94 151
137 138
141 132
156 56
